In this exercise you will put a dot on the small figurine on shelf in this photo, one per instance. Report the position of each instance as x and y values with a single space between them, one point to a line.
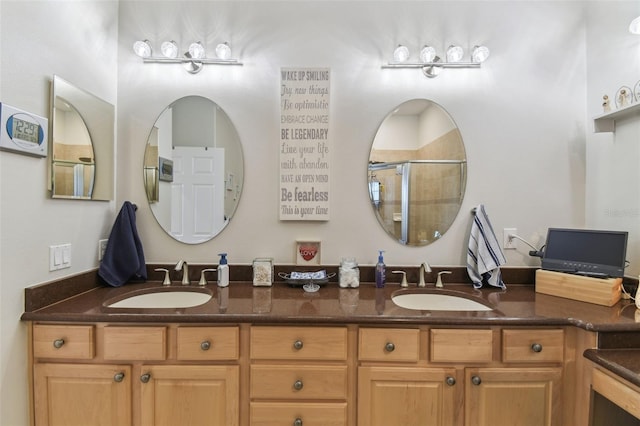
605 104
623 100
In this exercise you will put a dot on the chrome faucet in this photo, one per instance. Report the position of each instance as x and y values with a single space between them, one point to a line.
185 271
424 267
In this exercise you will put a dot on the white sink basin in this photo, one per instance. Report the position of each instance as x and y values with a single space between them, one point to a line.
163 299
437 302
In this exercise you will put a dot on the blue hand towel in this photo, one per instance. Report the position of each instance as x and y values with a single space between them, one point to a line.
123 258
484 255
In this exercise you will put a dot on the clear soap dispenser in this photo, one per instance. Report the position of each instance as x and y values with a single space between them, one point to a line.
223 271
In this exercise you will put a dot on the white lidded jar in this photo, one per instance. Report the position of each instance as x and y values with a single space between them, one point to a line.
349 273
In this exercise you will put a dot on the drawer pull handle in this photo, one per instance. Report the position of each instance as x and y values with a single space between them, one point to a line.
118 377
389 347
298 344
476 380
206 345
297 422
536 347
58 343
451 381
145 378
297 385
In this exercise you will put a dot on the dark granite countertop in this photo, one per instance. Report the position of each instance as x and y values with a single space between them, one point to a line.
519 305
622 362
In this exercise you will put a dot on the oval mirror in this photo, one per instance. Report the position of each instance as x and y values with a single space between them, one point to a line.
193 169
83 135
417 172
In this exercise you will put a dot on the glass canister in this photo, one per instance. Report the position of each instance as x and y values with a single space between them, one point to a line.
263 272
349 273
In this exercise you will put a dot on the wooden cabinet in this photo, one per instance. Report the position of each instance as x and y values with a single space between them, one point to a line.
527 396
259 375
82 394
406 396
298 376
189 395
135 375
456 376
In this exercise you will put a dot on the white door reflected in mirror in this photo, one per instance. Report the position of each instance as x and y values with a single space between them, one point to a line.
193 170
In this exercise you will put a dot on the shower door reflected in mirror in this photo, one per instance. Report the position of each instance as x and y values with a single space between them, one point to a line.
193 169
417 172
83 144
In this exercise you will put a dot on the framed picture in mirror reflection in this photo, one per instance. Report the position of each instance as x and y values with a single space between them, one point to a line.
165 168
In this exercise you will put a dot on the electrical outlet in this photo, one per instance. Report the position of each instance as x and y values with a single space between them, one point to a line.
507 242
102 247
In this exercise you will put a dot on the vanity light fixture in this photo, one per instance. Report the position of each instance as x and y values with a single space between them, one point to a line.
193 59
431 64
634 27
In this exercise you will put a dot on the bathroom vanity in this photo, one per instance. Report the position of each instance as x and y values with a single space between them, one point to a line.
279 356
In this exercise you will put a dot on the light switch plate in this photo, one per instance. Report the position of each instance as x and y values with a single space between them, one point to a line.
59 257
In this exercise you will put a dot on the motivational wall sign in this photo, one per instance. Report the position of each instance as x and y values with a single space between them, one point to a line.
304 144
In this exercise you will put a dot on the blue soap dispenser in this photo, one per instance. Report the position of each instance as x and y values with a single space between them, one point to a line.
380 270
223 271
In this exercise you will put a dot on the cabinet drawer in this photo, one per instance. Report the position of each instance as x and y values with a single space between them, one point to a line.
298 382
389 344
308 414
465 345
135 343
532 345
303 343
207 343
63 341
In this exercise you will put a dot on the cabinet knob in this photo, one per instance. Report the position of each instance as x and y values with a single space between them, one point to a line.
118 377
450 381
145 378
536 347
58 343
389 347
297 422
476 380
298 344
297 385
206 345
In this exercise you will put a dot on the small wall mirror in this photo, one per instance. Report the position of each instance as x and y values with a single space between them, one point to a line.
82 144
193 169
417 172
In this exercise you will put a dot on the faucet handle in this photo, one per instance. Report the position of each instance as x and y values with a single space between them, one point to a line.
203 280
404 278
167 280
439 280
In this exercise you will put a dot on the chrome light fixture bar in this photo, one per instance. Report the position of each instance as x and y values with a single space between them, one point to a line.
431 64
193 59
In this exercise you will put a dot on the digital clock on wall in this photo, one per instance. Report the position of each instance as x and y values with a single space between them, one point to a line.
23 132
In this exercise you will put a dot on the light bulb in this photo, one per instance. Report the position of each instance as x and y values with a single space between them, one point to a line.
401 54
634 27
223 51
480 54
142 48
196 50
454 53
169 49
427 54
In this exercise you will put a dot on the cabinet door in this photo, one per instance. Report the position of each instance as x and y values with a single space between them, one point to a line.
406 396
513 396
190 395
80 395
